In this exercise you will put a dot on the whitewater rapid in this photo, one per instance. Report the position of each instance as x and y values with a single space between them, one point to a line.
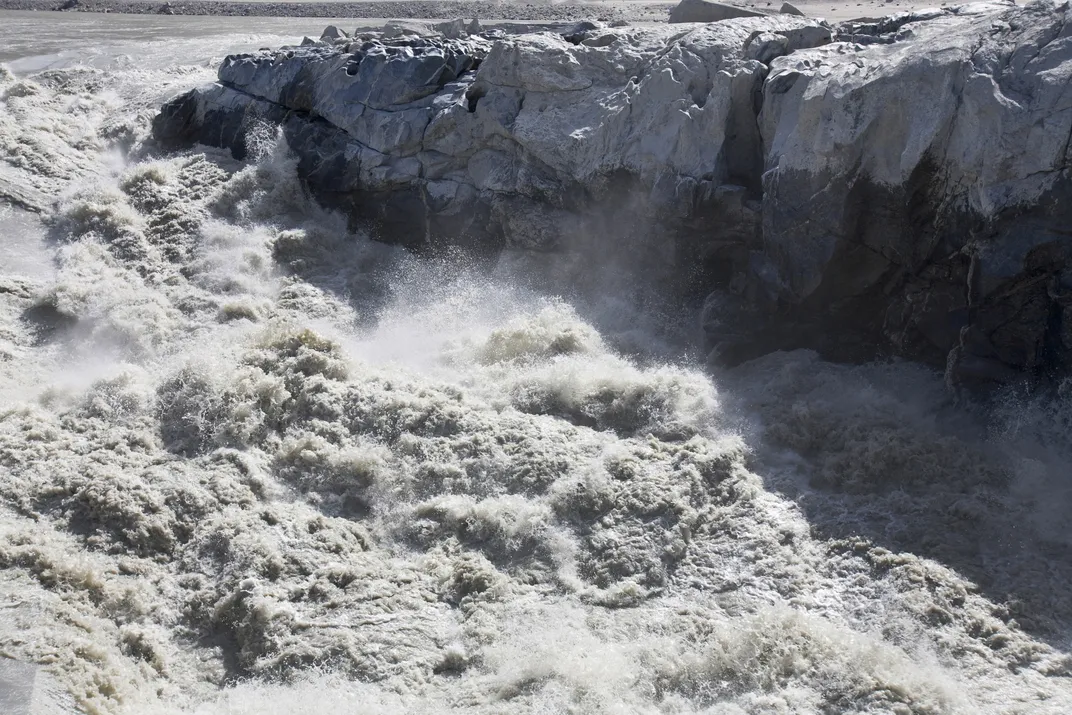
253 462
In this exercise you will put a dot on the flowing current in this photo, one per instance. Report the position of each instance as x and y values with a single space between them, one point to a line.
252 462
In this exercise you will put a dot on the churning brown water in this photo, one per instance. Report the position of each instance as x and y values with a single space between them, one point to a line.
251 462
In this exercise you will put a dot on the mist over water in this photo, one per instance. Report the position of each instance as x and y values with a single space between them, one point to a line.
251 462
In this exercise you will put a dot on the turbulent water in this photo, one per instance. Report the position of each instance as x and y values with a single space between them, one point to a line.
251 462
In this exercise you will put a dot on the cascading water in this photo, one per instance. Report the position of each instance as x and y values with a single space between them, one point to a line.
251 462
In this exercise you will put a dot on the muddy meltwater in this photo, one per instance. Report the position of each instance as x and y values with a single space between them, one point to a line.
252 462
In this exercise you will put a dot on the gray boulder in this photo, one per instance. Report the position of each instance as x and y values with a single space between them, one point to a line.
791 9
765 46
407 28
709 11
452 29
333 34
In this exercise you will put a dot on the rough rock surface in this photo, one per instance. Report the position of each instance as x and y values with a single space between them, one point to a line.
708 11
918 187
903 190
539 141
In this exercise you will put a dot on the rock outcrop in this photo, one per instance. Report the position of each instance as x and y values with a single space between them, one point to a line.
896 187
918 187
538 141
